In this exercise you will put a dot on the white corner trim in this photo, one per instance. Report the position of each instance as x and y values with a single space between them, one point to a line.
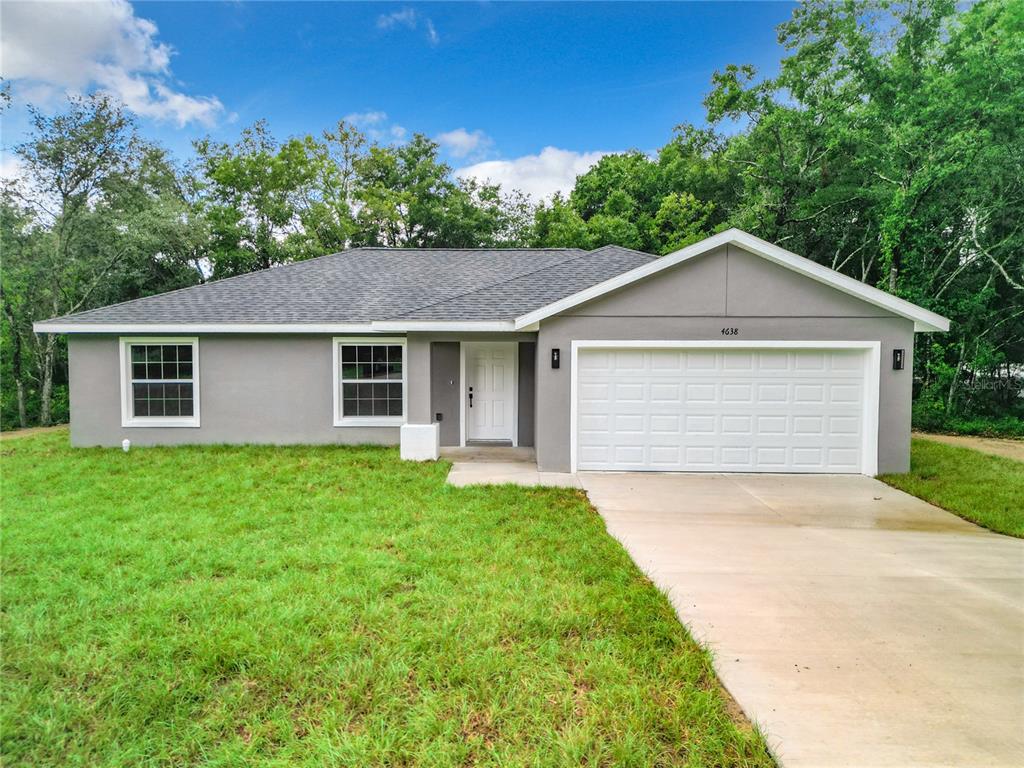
128 419
872 380
340 420
924 320
462 394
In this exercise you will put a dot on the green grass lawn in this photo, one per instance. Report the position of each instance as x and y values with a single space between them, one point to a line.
987 490
321 606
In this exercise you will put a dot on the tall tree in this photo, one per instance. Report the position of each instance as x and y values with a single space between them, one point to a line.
96 217
408 197
890 147
67 163
252 193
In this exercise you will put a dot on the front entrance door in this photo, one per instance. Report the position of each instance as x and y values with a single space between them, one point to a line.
490 390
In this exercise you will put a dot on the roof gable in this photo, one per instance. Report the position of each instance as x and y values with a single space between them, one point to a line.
924 320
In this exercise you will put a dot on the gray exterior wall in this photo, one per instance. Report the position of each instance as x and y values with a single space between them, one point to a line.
252 389
277 389
527 391
693 302
430 391
445 389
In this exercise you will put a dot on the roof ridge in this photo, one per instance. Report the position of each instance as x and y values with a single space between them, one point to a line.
508 280
624 248
398 248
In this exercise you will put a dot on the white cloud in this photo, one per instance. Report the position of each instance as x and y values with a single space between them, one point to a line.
365 119
405 17
432 35
56 47
410 19
11 167
461 143
539 176
376 126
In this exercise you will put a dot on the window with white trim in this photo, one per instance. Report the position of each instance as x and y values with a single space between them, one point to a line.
160 382
369 381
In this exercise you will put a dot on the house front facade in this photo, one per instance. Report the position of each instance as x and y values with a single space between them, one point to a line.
731 355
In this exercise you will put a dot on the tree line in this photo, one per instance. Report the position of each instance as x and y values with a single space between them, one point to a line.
889 146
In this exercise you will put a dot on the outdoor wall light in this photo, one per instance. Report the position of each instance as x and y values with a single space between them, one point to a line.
556 358
897 359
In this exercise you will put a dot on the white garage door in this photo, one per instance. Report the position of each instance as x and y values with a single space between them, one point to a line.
715 410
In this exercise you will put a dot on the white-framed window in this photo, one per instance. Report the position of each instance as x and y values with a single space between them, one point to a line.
369 381
159 381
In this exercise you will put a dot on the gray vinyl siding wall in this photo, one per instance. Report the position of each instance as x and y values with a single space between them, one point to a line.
693 302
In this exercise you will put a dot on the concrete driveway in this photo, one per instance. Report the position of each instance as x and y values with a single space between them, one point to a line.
857 625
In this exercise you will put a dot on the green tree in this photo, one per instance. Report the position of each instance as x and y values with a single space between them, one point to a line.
681 220
631 200
407 197
558 225
97 217
890 147
253 194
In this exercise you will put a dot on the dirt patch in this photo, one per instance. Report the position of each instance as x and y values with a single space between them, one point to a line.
994 446
14 433
734 710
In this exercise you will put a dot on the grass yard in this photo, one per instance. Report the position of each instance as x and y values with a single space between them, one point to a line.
320 606
987 490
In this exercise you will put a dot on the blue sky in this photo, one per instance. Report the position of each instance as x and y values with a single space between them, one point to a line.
496 83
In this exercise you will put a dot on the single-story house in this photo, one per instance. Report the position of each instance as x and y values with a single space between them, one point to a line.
730 355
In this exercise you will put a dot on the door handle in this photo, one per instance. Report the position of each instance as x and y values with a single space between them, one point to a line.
470 397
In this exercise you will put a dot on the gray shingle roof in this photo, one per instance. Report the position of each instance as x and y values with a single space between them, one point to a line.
362 285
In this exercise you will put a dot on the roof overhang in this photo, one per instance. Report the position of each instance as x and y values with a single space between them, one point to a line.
378 326
924 320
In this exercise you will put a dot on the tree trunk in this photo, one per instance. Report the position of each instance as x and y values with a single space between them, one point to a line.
22 410
956 379
16 361
46 377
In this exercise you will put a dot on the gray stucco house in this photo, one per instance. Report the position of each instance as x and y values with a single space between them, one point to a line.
729 355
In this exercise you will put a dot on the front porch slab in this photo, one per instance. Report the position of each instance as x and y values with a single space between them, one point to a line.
486 465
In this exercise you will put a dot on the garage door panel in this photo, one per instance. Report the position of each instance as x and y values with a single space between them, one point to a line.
721 410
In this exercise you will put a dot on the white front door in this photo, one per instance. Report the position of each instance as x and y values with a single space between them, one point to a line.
490 390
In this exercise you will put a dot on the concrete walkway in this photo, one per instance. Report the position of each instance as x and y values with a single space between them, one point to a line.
996 446
500 465
857 625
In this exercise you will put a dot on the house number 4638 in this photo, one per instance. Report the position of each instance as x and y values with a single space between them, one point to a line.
730 331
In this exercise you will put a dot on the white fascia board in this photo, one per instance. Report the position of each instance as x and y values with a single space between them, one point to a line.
924 320
386 326
46 326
